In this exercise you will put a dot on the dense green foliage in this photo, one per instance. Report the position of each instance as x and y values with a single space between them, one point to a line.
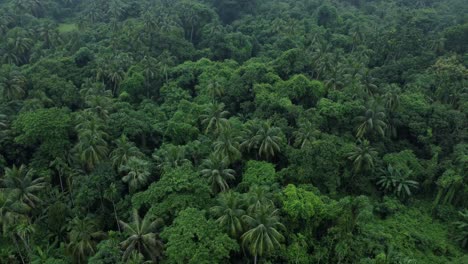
233 131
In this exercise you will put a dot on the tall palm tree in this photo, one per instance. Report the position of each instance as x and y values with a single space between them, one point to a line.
34 7
112 195
268 139
373 119
12 84
170 156
305 134
229 213
137 173
215 89
11 211
124 151
83 235
227 145
262 236
91 149
48 33
397 181
462 229
215 118
142 237
257 197
17 46
363 156
249 132
165 62
216 169
392 97
5 19
22 185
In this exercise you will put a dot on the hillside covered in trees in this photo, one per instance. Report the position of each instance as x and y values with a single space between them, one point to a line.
233 131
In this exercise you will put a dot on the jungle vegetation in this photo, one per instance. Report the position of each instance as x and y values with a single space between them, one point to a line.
233 131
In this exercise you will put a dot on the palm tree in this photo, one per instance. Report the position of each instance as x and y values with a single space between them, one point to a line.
124 151
61 167
170 156
110 71
462 229
11 211
112 195
257 197
305 134
5 19
392 97
22 185
48 33
149 72
268 139
142 237
137 173
34 7
227 145
91 149
215 118
215 89
363 156
17 46
165 62
397 181
372 119
216 169
83 234
249 132
369 83
262 235
229 213
12 84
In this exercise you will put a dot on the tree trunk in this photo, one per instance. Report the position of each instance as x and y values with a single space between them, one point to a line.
18 248
116 217
61 183
255 259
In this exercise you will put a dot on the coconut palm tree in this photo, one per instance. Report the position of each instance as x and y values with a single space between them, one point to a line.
396 181
165 62
170 156
216 170
373 119
363 156
305 134
462 229
91 149
269 140
215 118
229 213
34 7
83 236
137 173
262 236
12 84
11 211
21 184
124 151
142 237
227 145
112 194
215 89
48 33
392 97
